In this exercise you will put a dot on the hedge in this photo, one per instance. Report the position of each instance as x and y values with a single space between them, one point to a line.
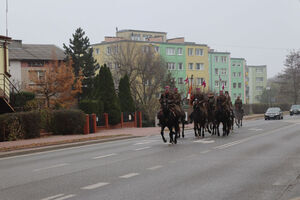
67 122
20 99
22 125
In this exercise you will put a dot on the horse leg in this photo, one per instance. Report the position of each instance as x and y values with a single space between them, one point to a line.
162 133
195 128
171 135
182 121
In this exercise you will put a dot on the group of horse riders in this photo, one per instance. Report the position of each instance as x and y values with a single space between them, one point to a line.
208 112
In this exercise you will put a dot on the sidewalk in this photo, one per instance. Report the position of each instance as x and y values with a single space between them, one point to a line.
101 136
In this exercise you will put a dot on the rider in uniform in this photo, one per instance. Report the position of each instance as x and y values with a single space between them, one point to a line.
177 101
238 104
221 99
228 100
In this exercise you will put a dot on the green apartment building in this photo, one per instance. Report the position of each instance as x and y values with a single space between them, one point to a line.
256 81
219 71
174 56
238 67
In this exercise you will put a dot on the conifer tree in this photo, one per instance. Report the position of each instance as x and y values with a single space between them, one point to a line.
81 54
105 90
125 97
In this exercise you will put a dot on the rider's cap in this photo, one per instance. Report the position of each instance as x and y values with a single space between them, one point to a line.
167 87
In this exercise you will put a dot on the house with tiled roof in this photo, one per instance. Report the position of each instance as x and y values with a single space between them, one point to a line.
28 60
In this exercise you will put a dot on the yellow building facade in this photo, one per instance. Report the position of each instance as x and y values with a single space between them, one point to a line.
197 65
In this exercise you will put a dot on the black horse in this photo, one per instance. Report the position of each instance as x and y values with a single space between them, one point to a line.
223 116
168 118
200 118
239 114
182 121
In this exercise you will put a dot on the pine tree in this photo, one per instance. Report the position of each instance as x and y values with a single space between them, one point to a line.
125 97
105 90
81 54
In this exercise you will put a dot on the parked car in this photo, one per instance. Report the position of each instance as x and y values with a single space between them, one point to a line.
295 109
273 113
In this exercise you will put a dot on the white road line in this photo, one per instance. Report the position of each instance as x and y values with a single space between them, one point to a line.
53 197
145 142
94 186
66 197
67 148
204 141
255 129
155 167
203 152
50 167
142 148
105 156
129 175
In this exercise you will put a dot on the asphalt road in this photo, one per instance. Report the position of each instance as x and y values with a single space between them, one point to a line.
259 161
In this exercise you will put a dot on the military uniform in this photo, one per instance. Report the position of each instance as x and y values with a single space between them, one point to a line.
238 104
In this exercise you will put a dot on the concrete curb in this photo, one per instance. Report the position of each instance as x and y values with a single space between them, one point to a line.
4 154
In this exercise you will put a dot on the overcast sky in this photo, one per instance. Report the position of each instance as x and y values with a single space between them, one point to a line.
261 31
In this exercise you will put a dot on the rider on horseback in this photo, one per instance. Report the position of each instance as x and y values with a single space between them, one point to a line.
177 101
238 104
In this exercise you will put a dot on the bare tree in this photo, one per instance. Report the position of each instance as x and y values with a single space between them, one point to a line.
146 71
290 78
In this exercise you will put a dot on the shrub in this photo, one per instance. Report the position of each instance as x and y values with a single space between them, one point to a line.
91 106
68 122
20 99
46 120
21 125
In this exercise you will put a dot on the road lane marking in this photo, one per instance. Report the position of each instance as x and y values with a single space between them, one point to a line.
66 197
129 175
142 148
51 167
203 152
255 129
53 197
204 141
94 186
145 142
155 167
105 156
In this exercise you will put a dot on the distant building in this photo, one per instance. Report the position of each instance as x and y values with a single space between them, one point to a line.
256 82
238 71
28 60
183 59
219 71
5 84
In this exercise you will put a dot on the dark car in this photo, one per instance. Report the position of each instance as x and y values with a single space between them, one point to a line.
274 113
295 109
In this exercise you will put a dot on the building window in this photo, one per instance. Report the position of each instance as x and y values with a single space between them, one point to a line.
240 85
224 83
171 66
180 80
156 48
199 52
259 88
234 85
170 51
240 95
234 95
179 51
180 66
217 58
216 71
200 81
116 66
145 49
223 71
238 65
190 51
240 74
199 66
259 79
259 70
216 83
97 50
234 74
190 66
223 59
233 65
135 37
108 50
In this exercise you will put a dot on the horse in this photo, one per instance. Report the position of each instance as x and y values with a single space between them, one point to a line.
223 116
167 118
211 120
182 121
200 118
239 113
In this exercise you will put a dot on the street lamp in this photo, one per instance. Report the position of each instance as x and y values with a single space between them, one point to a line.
269 94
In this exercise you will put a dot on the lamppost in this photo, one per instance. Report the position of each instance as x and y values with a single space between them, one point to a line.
269 95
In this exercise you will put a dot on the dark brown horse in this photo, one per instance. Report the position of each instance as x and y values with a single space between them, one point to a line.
199 117
168 118
223 116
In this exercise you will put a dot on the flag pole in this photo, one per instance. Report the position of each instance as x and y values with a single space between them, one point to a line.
6 18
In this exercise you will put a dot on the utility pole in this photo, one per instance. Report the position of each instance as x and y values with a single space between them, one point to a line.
6 18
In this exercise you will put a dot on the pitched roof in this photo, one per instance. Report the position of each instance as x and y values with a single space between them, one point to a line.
35 52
